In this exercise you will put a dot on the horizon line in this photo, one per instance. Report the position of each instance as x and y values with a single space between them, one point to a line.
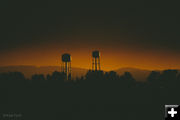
88 68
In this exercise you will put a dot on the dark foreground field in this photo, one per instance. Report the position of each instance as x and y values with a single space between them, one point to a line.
96 96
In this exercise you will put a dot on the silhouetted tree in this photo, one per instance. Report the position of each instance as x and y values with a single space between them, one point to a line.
127 79
153 78
168 78
38 79
58 76
12 78
178 81
94 75
112 75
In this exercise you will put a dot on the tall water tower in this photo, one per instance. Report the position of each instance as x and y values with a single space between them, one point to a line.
95 60
66 65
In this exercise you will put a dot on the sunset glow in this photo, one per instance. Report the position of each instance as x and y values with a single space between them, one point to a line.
111 58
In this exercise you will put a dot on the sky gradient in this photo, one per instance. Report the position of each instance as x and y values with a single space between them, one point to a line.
128 33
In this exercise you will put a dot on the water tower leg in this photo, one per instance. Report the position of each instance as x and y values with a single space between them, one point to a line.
92 64
69 70
95 64
66 70
99 63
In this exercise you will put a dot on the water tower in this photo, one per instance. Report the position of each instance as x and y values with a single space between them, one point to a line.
66 65
95 60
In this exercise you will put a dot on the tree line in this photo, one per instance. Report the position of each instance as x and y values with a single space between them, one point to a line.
94 95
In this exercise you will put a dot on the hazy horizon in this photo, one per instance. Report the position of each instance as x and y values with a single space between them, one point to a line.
85 68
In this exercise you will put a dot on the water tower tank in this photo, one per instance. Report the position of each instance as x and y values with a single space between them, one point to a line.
96 54
66 57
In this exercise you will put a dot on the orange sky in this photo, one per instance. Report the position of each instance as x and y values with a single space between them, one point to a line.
111 57
141 34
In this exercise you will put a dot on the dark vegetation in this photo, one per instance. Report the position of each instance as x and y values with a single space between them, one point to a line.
97 95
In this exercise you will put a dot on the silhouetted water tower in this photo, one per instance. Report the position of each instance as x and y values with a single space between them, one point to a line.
66 65
95 60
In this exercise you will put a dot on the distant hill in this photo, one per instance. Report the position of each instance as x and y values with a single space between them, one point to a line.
28 71
138 74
